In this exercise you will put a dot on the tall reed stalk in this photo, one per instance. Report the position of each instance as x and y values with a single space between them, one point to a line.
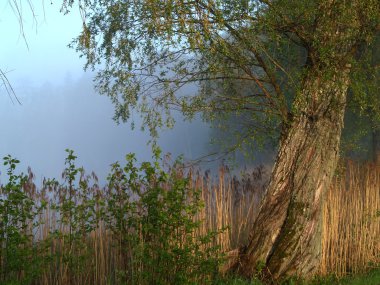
84 234
351 219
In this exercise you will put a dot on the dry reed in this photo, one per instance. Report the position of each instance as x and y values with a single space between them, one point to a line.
351 221
351 230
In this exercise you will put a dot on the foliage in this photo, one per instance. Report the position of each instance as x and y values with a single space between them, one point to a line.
150 224
365 84
18 219
363 106
146 214
76 216
362 115
153 212
148 51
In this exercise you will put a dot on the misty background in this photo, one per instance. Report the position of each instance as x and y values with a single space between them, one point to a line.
60 108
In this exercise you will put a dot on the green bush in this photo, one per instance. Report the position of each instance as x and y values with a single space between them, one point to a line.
153 211
145 216
20 261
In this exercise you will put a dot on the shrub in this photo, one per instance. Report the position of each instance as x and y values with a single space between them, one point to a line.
153 212
20 261
144 220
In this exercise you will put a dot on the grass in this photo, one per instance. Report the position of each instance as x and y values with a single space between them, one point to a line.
370 278
150 224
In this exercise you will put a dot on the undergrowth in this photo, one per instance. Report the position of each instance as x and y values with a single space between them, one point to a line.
144 218
154 223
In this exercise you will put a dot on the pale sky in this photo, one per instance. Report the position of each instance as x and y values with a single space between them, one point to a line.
59 107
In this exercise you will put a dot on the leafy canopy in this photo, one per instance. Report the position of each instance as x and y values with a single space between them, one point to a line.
148 51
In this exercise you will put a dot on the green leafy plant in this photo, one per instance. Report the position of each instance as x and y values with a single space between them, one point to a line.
20 262
153 214
74 207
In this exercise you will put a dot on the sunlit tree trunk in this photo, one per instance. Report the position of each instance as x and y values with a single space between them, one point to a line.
286 237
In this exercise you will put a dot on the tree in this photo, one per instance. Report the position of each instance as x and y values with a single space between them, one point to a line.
148 50
361 133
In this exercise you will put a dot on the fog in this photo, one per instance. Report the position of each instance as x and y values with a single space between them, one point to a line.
55 117
60 108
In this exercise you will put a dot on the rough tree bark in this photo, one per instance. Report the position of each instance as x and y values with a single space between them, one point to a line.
286 237
287 231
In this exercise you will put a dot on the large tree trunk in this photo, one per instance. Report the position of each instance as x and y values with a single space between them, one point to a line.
286 237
